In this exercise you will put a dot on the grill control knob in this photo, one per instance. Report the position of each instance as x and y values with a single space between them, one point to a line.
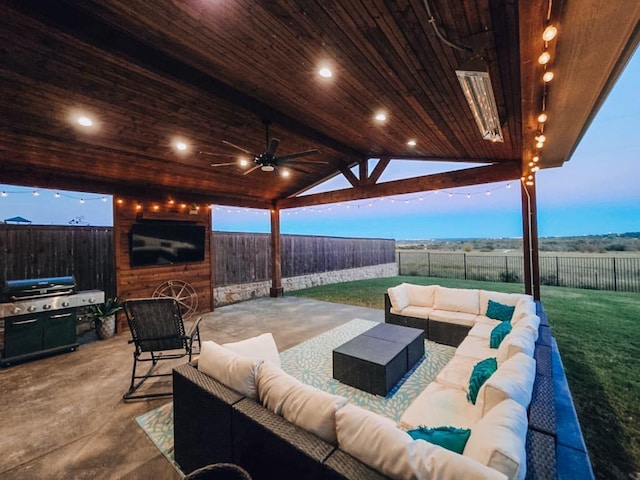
65 304
16 310
32 308
46 306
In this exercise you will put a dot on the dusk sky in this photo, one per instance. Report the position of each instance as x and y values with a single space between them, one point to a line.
595 192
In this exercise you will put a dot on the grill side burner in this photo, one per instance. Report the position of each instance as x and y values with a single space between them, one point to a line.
38 317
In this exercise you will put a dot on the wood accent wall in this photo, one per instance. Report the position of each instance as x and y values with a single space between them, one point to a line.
140 282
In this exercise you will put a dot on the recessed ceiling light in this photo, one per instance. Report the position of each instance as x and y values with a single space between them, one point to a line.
285 173
412 143
84 121
181 146
381 116
244 162
325 72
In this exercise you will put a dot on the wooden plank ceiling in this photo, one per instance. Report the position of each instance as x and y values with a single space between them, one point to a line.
207 71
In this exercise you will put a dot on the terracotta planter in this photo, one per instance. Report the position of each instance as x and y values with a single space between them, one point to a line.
106 327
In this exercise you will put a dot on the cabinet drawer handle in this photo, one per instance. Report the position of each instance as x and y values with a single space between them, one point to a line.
24 322
61 315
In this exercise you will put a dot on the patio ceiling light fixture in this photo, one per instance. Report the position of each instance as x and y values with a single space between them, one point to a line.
476 86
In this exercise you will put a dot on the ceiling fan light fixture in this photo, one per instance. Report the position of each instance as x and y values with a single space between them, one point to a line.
476 86
267 168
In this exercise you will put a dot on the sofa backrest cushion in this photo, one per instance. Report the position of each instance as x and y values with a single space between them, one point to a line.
524 307
421 295
498 440
262 347
520 340
500 297
377 442
457 300
399 296
530 322
513 379
235 371
303 405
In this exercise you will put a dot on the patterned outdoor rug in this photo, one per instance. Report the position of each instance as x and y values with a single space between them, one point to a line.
311 363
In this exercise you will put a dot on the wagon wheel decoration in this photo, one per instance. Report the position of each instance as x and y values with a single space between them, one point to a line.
184 294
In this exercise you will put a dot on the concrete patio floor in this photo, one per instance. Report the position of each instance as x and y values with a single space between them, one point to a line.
63 417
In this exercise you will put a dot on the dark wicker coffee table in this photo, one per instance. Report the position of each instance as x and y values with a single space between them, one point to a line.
378 358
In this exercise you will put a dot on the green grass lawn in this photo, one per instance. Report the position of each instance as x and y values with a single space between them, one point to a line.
598 334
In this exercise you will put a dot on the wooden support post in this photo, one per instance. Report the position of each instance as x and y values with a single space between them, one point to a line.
530 241
276 255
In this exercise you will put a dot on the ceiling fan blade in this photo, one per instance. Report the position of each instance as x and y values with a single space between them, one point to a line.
251 170
223 164
239 148
217 154
273 146
297 169
304 160
299 154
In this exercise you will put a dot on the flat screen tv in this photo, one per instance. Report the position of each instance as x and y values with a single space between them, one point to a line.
164 243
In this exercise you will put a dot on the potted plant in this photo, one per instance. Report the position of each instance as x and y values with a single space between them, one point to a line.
103 316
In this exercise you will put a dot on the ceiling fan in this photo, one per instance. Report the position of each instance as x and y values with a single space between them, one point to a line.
269 161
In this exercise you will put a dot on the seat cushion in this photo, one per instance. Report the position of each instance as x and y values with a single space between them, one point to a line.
377 442
475 347
416 311
459 318
262 347
513 379
399 297
439 405
421 295
456 372
303 405
498 440
235 371
457 300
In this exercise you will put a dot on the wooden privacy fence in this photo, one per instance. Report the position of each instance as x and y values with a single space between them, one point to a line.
36 251
33 251
599 273
245 257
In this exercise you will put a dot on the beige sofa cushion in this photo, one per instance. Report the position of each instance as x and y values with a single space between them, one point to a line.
523 308
399 297
439 405
504 298
457 300
262 347
457 372
483 328
303 405
377 442
513 379
498 440
421 295
519 340
459 318
418 312
229 368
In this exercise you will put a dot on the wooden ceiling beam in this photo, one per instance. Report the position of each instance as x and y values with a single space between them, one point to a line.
459 178
379 169
428 158
350 176
76 22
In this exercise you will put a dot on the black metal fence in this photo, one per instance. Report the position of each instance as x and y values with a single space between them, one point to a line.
620 274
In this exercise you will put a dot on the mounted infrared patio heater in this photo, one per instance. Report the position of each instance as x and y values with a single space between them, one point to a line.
476 85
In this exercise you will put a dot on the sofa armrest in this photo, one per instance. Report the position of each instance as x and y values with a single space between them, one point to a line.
201 418
268 446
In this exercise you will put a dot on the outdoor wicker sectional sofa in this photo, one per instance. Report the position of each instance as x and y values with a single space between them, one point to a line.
214 423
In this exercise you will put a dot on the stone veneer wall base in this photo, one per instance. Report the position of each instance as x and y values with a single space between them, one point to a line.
248 291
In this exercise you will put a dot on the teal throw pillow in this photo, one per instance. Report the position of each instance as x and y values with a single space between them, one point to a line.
481 373
498 333
500 311
451 438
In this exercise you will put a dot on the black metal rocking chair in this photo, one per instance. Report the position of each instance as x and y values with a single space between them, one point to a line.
157 327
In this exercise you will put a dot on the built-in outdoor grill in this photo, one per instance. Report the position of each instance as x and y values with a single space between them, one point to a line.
38 316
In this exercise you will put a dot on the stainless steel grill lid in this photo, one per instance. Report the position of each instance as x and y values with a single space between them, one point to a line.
37 287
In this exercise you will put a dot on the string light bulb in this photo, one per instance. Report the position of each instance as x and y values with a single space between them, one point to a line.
4 194
542 117
549 33
536 158
544 58
57 195
547 77
36 193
